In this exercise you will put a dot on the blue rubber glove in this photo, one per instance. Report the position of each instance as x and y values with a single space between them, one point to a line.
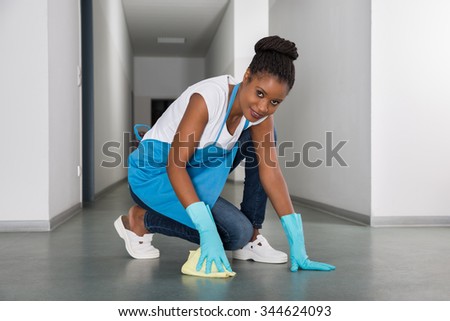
210 243
293 227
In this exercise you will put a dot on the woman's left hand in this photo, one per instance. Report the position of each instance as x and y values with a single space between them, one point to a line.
293 228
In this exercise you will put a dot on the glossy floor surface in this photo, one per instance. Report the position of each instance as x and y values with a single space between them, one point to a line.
84 259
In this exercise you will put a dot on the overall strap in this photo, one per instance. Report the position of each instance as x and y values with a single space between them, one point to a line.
230 104
136 130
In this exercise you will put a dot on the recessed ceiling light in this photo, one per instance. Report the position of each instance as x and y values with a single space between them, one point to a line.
173 40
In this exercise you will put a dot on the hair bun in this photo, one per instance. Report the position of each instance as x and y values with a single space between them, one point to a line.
280 45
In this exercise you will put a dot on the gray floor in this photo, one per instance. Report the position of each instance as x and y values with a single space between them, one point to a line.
84 259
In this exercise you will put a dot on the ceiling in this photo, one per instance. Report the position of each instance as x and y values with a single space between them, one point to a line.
195 20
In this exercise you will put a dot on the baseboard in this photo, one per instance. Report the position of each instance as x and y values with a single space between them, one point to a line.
335 211
410 221
25 226
40 225
65 216
49 225
376 221
108 189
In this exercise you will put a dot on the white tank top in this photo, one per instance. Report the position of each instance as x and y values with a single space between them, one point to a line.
215 92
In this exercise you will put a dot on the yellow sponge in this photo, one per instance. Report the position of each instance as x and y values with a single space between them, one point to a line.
189 268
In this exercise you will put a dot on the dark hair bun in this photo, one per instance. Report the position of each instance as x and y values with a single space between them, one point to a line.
280 45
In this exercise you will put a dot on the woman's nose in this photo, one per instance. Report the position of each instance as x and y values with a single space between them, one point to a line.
262 107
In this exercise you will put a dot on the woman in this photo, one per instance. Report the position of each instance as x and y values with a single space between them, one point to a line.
181 166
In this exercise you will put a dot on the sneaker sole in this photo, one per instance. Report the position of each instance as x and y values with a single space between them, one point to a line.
120 228
247 255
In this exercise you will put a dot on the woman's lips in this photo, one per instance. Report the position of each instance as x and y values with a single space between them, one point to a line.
255 114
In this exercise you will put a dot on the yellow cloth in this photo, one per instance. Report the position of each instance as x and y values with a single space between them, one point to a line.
189 267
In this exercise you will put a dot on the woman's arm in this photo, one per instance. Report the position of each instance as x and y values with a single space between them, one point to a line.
276 189
183 146
269 171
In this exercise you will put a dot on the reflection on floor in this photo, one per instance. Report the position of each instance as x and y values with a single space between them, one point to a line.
84 259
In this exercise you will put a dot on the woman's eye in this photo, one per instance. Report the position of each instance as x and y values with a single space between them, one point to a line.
259 94
274 102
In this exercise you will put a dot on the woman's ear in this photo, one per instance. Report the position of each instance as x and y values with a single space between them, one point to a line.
247 77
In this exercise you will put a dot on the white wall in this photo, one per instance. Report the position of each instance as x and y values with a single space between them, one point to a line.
64 105
232 49
24 165
410 109
251 23
40 138
219 59
166 77
113 83
162 78
331 93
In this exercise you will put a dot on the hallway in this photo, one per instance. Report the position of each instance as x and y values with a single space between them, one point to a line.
84 259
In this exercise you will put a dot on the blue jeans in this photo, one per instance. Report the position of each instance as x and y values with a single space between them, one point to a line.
235 226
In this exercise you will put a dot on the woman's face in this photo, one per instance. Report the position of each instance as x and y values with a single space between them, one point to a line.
261 94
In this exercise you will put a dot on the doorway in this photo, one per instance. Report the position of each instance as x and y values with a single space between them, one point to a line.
158 107
87 67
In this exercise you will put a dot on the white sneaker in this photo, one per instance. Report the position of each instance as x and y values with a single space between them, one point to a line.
260 251
139 247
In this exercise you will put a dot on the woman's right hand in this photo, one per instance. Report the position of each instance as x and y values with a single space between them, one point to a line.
212 250
211 246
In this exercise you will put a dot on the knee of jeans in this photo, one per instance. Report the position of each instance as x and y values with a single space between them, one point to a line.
241 236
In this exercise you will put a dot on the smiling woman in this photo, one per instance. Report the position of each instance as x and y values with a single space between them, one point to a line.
262 93
178 172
